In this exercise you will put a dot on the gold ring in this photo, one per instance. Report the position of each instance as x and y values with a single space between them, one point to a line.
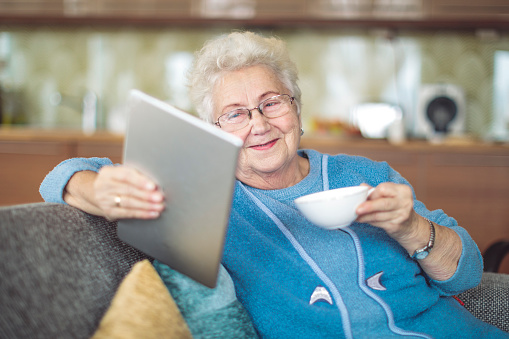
118 200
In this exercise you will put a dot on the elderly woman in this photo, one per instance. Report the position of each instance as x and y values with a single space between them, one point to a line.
392 273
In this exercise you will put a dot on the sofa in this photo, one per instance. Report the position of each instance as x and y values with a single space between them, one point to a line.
61 270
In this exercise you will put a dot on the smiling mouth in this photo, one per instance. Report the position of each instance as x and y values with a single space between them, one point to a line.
264 146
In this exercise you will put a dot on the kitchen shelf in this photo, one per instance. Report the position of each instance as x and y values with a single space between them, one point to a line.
190 22
401 14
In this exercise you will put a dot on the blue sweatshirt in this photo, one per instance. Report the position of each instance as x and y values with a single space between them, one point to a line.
297 280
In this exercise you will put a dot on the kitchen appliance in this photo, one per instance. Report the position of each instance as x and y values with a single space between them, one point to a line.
499 130
377 120
440 111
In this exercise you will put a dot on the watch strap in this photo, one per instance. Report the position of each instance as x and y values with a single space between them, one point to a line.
423 252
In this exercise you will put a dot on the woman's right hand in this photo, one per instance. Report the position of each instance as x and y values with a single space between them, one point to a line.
115 192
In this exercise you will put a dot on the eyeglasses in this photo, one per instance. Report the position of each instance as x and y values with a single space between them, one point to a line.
273 107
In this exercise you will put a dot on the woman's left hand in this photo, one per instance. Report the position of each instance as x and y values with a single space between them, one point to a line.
391 206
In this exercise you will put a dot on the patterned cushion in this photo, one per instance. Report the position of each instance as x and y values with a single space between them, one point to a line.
489 301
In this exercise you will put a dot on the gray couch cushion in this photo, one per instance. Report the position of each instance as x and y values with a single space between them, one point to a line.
59 270
489 301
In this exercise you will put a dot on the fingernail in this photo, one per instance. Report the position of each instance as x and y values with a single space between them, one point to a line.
150 186
157 197
158 207
154 214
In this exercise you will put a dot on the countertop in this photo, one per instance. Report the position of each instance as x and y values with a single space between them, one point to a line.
36 134
319 141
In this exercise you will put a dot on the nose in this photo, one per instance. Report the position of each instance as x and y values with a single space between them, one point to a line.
259 123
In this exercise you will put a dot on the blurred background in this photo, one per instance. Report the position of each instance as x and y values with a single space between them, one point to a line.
349 52
422 84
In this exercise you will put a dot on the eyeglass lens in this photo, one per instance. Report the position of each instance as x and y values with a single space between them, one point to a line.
273 107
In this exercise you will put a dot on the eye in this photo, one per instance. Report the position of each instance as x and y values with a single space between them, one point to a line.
272 105
235 116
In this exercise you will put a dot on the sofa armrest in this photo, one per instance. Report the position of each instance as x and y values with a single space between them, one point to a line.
494 255
60 268
489 301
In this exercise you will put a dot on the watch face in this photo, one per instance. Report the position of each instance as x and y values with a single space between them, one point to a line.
421 255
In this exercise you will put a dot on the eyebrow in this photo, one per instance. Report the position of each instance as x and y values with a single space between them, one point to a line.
227 109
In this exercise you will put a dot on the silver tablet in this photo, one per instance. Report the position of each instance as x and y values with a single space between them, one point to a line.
194 163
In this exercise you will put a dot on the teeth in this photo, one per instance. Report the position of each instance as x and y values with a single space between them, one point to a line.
264 144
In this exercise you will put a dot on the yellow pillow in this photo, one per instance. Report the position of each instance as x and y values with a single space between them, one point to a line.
142 308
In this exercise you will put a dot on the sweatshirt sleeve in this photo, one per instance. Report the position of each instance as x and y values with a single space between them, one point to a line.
53 185
470 266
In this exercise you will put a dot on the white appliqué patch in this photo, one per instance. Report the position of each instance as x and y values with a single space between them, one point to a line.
374 282
320 293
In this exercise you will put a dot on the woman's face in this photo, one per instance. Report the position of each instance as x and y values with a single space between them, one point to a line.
270 145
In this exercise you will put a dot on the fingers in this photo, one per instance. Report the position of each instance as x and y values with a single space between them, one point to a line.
390 206
131 214
123 192
386 197
126 175
130 207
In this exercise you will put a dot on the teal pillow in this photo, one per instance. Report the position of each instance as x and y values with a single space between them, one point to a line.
209 313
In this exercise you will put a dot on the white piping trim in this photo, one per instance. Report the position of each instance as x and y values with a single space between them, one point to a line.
360 260
380 301
325 172
347 328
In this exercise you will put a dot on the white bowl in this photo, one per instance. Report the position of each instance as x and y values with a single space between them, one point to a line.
334 208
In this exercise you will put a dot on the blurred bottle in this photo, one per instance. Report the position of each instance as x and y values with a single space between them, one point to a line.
1 106
396 131
12 107
2 67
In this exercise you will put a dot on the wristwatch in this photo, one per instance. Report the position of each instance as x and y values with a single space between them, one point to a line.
423 252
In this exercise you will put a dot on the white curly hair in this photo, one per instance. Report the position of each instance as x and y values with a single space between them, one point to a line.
232 52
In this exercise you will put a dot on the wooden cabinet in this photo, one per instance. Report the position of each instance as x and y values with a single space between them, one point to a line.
470 9
474 189
391 14
95 8
23 165
370 9
99 148
27 156
468 182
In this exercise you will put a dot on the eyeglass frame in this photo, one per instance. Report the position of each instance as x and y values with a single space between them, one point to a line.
250 116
